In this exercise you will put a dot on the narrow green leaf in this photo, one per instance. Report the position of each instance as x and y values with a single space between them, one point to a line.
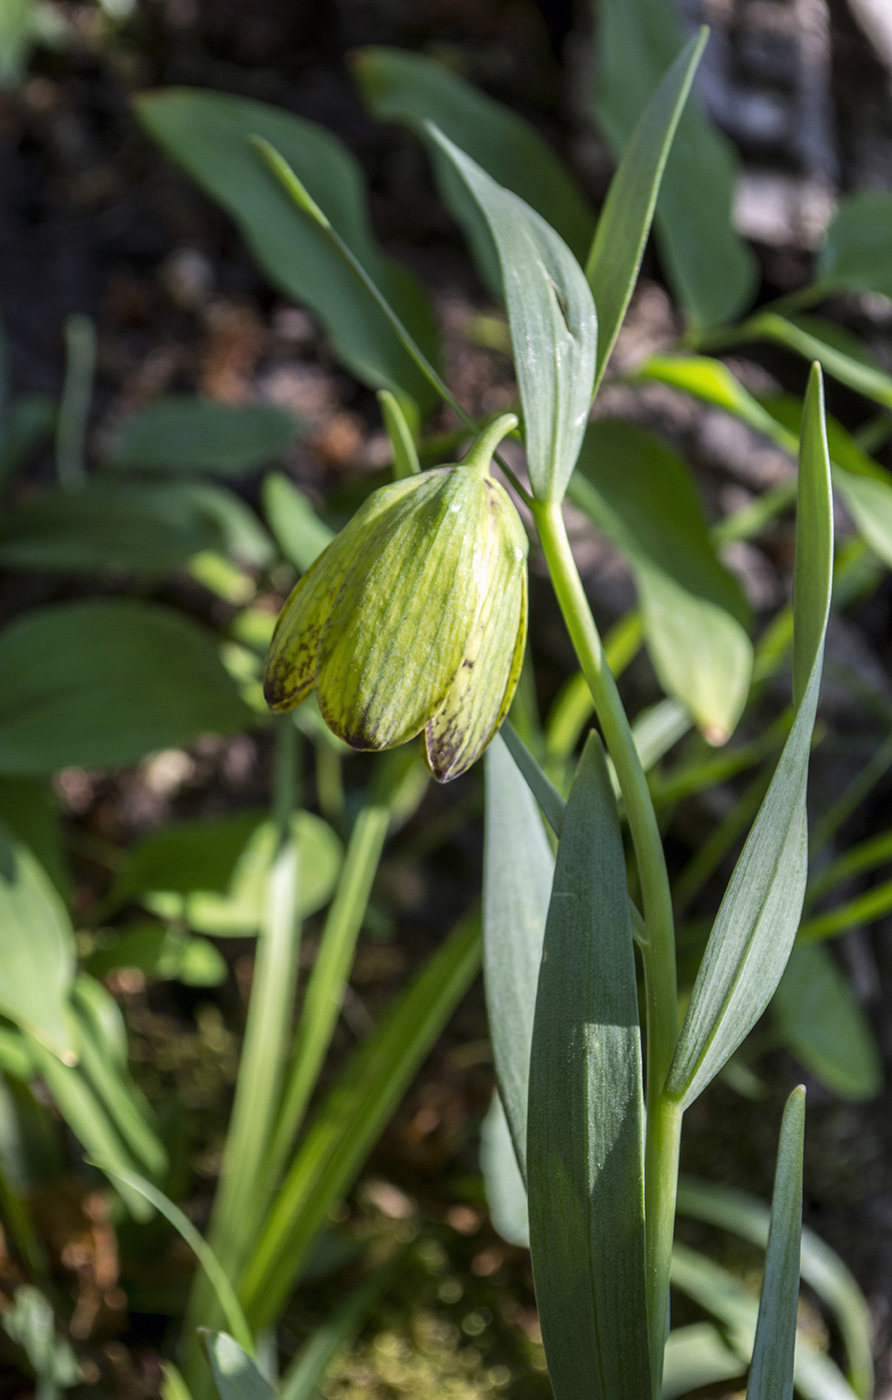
822 1270
37 949
856 250
185 434
405 454
635 488
350 1120
209 134
771 1373
585 1136
822 1022
303 1377
517 873
553 325
624 224
236 1374
216 1275
101 683
413 89
756 924
711 269
537 780
872 383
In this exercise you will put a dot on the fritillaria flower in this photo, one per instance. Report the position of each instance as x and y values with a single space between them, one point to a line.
414 618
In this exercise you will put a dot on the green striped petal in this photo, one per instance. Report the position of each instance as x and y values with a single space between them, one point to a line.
395 636
290 671
484 687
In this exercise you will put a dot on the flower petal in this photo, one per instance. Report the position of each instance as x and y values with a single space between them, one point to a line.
396 633
290 671
484 687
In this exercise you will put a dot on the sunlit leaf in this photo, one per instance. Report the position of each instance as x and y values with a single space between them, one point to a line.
754 930
552 320
37 950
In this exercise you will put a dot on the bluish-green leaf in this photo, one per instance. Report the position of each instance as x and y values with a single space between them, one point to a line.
771 1373
616 253
37 950
697 1355
856 252
414 89
585 1135
209 133
712 271
553 325
236 1374
822 1022
748 1217
102 683
517 872
506 1193
181 433
864 379
635 488
754 929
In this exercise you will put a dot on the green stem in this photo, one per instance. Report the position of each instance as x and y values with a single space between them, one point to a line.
658 947
661 1185
74 408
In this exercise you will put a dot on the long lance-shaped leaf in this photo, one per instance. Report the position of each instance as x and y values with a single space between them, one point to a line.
771 1374
585 1132
352 1117
236 1374
624 225
553 325
517 872
756 924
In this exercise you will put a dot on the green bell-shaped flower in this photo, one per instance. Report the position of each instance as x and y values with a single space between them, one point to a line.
414 617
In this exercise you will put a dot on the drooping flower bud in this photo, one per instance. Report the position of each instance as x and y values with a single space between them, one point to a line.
414 617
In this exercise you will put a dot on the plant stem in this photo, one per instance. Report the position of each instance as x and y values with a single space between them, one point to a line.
660 1186
77 390
658 948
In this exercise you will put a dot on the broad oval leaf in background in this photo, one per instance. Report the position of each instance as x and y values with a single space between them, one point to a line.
413 89
186 434
822 1022
585 1135
635 488
148 528
553 325
618 247
209 135
856 252
517 872
711 269
755 927
37 950
101 684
